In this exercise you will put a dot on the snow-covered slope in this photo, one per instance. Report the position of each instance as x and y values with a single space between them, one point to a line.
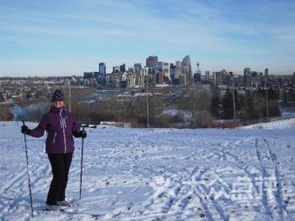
158 174
279 124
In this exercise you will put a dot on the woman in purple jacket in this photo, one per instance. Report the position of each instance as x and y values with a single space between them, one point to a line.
60 126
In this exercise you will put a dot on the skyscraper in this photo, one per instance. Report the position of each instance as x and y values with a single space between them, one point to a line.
151 64
186 70
102 69
266 74
247 77
116 69
207 76
164 67
88 75
197 75
137 67
123 68
152 61
100 76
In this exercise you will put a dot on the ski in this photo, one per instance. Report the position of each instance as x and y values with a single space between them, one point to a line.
73 212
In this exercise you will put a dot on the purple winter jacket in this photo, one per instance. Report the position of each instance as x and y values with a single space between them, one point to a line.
59 124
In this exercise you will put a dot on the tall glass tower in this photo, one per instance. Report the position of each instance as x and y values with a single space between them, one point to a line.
102 69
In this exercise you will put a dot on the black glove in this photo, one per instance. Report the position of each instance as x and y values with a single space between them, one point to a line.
81 133
25 129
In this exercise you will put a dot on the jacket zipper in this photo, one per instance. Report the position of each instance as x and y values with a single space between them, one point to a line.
63 130
54 138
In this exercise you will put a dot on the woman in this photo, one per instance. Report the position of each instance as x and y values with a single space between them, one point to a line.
60 126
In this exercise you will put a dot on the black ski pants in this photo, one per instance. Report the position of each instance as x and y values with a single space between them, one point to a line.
60 166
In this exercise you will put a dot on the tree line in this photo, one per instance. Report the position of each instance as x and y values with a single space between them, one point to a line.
193 107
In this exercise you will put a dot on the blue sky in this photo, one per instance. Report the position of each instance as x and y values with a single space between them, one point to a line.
62 37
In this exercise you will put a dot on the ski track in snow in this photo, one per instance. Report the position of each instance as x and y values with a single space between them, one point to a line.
157 174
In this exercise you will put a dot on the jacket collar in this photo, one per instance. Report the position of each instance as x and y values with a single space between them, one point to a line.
57 110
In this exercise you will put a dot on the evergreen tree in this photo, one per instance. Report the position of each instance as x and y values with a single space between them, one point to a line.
215 106
227 105
259 103
249 111
285 98
273 94
291 95
274 110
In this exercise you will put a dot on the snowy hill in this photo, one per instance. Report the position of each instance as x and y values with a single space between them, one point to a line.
158 174
279 124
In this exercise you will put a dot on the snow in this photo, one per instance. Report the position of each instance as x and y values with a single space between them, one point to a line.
279 124
157 174
7 102
171 112
290 114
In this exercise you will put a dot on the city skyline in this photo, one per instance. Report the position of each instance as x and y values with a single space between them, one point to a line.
70 37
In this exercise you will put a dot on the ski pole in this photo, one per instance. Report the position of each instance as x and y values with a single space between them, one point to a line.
81 173
28 172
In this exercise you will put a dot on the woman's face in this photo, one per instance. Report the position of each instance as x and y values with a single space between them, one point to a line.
58 104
